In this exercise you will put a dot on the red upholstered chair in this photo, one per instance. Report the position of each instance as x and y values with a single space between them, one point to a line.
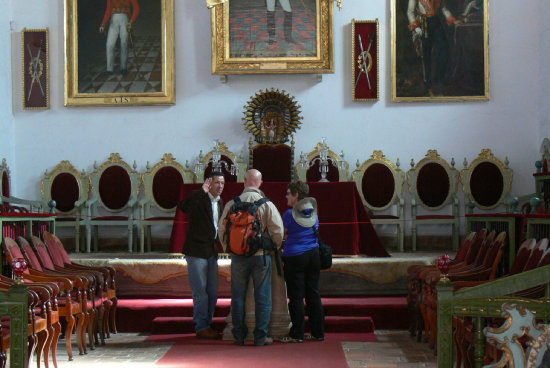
433 184
69 189
61 258
161 187
308 168
113 199
69 304
380 183
275 161
224 160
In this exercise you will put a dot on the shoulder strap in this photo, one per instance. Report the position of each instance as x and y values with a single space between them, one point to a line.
261 201
237 200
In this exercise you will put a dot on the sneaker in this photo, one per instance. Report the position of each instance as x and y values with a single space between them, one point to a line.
266 341
313 338
287 338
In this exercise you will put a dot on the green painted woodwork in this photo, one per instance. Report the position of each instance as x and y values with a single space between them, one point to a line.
14 305
484 301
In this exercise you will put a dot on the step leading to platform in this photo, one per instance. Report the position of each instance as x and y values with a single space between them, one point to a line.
149 315
181 325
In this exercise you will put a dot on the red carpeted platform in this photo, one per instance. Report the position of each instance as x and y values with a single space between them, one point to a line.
218 353
349 314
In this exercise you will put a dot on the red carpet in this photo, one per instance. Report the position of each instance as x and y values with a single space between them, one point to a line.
190 352
344 314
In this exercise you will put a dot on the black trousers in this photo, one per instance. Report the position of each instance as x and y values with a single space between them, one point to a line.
302 281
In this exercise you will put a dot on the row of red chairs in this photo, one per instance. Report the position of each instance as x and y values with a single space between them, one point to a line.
476 262
70 293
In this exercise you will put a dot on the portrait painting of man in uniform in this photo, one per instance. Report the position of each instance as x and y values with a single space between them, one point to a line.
115 52
272 36
440 50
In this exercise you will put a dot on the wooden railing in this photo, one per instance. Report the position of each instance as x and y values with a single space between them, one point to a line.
485 301
14 304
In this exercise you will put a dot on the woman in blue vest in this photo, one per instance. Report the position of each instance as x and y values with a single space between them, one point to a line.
302 264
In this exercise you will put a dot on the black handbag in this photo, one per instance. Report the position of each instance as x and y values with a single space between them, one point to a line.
325 251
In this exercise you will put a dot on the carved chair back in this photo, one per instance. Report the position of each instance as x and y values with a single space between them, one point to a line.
380 184
486 182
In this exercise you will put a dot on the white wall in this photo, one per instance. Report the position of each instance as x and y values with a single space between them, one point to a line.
510 123
7 148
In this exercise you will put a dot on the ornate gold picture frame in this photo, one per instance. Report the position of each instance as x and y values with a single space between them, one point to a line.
440 52
273 37
365 60
36 69
119 56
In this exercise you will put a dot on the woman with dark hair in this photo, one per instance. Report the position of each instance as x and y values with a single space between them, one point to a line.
302 265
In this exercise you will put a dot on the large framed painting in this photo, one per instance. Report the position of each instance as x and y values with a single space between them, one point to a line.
365 61
440 50
119 52
36 69
272 36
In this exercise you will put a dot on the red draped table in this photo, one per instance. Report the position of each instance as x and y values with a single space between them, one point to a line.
344 222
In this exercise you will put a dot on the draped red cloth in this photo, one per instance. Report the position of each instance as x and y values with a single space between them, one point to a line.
344 222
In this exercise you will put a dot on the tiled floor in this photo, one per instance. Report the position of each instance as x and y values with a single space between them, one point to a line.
394 349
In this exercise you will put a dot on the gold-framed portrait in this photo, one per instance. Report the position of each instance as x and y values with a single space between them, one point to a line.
440 50
273 37
119 52
35 68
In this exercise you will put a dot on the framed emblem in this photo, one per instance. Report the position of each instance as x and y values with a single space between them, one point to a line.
36 69
365 60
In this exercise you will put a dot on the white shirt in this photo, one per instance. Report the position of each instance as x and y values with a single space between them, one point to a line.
215 214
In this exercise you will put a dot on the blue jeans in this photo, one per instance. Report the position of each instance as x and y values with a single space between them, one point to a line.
242 268
203 278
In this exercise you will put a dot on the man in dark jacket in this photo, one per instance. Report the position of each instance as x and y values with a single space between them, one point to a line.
203 208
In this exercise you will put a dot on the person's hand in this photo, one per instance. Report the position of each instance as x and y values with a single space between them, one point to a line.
101 29
129 26
206 185
416 34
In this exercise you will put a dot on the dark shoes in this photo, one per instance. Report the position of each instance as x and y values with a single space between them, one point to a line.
288 338
208 333
124 72
313 338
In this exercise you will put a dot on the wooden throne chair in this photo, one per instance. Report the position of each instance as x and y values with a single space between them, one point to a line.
380 183
161 187
69 189
113 199
433 185
487 183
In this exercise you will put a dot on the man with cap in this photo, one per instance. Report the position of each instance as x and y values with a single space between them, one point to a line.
302 264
